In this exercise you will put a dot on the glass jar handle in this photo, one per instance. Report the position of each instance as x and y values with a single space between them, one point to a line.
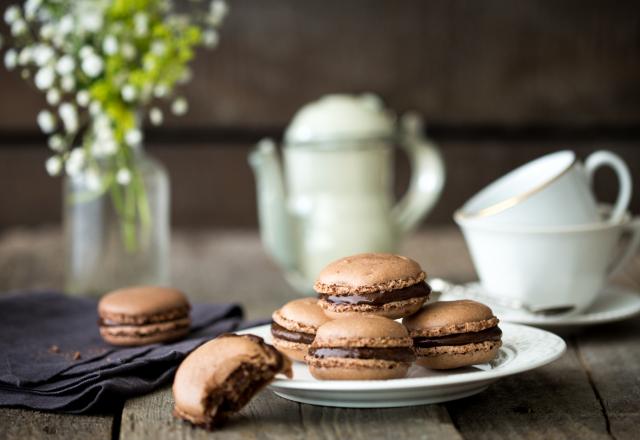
427 174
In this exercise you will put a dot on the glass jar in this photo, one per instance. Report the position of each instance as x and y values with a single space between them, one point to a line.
107 248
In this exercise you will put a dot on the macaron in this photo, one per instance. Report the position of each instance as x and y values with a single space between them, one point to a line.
294 326
222 375
143 315
364 347
453 334
375 284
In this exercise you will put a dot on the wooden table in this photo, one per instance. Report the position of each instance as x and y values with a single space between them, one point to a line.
593 391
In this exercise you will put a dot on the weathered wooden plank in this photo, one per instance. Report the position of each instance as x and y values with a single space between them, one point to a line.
19 424
555 401
418 422
266 416
468 61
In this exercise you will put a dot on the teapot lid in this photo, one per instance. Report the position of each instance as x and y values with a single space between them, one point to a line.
341 116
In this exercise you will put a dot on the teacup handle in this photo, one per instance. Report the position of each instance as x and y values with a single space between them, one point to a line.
427 174
630 250
607 158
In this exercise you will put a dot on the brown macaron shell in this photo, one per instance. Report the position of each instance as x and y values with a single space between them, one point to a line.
359 332
222 375
369 274
298 316
446 318
143 315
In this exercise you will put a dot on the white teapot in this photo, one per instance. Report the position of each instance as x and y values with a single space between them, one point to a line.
335 197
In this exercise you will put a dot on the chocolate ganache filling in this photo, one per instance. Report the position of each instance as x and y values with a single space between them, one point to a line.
490 334
280 332
397 354
380 298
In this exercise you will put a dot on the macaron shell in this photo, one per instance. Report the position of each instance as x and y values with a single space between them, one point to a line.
362 331
446 317
135 335
445 358
294 350
301 315
371 272
356 369
134 305
392 310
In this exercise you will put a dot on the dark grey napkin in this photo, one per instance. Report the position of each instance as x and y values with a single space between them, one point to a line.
52 357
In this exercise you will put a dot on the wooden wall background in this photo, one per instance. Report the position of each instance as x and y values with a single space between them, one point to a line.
498 82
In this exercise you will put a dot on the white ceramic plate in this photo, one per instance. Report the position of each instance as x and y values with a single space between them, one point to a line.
614 303
524 348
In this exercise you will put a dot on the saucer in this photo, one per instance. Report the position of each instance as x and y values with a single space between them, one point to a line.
523 348
614 303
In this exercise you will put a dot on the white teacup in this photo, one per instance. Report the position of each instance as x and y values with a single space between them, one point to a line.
549 267
553 190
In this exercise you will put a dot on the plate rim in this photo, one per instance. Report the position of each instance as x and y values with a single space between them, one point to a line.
582 319
425 382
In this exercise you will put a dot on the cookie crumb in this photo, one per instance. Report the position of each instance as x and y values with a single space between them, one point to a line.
54 349
77 356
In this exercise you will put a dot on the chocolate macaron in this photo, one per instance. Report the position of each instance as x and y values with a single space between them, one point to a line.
364 347
453 334
222 375
294 326
375 284
143 315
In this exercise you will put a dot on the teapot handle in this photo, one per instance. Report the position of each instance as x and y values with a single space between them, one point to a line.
427 174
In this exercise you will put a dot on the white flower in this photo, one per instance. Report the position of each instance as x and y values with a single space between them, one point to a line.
86 51
65 25
92 180
42 54
56 143
156 116
46 121
45 77
179 106
82 98
110 45
25 74
68 83
69 116
25 56
53 165
95 108
129 93
133 137
30 8
210 38
10 59
75 162
160 91
217 11
141 24
47 31
65 65
104 148
128 51
11 14
91 21
53 96
123 176
18 28
186 76
92 65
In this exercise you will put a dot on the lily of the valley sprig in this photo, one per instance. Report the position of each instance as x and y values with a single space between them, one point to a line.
103 67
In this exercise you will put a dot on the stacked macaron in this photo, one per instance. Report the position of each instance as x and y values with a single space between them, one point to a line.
386 285
295 325
453 334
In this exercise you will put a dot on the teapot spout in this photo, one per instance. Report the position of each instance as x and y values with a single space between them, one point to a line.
272 211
